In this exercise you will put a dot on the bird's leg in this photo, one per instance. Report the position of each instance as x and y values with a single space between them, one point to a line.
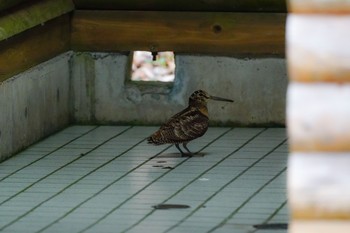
182 153
178 147
189 152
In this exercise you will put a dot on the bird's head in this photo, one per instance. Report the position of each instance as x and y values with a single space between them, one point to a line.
201 97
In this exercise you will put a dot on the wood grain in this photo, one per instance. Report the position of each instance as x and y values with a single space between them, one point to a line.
185 5
318 48
26 16
33 47
7 4
318 117
319 6
319 226
259 34
318 185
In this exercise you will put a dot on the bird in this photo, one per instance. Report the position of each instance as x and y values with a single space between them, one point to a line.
186 125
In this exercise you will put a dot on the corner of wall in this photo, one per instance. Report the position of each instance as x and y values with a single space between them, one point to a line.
34 104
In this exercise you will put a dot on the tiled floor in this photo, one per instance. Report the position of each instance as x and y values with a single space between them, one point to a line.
108 179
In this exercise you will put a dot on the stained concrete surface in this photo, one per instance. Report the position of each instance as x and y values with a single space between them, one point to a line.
34 104
102 93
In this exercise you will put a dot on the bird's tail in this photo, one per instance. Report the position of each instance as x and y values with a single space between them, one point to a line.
155 139
150 140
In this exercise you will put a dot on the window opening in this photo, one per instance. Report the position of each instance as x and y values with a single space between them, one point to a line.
153 67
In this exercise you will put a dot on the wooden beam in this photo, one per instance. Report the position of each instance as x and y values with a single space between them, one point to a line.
6 4
318 117
30 15
260 34
33 47
319 6
185 5
319 226
318 186
318 48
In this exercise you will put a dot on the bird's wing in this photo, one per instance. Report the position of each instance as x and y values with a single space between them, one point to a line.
184 126
179 114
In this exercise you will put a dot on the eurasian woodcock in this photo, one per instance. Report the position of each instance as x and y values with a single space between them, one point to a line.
189 124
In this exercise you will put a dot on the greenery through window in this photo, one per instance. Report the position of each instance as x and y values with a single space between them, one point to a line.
157 67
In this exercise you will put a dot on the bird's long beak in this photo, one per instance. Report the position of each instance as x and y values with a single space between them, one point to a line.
220 99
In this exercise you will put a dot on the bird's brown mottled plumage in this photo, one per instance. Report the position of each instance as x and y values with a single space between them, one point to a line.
183 127
189 124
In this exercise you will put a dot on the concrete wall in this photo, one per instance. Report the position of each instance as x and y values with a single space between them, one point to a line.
102 95
94 88
34 104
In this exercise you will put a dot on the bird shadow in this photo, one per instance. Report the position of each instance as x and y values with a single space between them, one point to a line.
178 155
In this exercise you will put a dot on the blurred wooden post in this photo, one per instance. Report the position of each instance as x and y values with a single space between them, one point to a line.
318 115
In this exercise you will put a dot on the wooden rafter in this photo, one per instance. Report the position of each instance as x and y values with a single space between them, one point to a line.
244 34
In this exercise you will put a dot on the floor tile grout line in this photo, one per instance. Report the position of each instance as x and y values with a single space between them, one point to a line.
214 140
104 188
236 177
201 149
45 155
155 180
42 178
74 160
193 180
223 222
273 214
277 210
224 186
